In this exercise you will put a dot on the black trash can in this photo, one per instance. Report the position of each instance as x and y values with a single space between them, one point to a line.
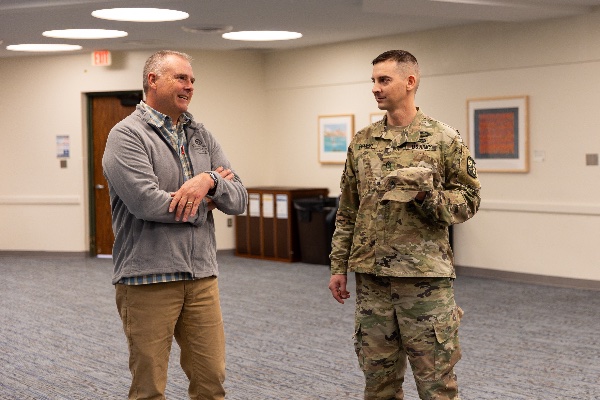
316 223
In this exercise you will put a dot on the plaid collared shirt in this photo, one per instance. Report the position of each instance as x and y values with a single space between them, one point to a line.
157 278
176 137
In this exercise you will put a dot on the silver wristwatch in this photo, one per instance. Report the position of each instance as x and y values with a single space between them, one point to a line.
213 175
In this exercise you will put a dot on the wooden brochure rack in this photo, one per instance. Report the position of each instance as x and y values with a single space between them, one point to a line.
268 229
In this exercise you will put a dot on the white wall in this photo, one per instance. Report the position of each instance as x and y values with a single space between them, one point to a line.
264 109
44 207
542 222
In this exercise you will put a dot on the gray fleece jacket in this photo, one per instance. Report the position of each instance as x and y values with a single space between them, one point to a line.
142 169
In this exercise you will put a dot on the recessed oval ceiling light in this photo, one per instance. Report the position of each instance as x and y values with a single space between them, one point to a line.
43 47
85 34
140 14
207 29
261 36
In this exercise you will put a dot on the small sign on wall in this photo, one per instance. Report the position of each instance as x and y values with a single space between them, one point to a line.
63 146
101 58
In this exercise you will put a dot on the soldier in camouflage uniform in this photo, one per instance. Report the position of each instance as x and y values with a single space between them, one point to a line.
407 178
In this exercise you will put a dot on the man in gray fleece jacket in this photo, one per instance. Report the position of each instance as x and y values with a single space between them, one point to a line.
166 173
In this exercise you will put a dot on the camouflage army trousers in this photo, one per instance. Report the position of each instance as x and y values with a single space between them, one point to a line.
400 318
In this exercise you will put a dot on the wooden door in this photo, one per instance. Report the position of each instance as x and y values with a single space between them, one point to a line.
105 110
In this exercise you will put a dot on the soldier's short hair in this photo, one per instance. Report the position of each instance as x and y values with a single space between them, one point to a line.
407 63
156 64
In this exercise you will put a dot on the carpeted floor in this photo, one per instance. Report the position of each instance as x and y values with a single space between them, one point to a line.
61 338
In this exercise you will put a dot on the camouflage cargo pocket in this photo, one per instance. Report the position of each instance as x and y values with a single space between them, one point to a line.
447 351
358 346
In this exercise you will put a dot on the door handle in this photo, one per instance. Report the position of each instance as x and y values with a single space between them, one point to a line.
99 187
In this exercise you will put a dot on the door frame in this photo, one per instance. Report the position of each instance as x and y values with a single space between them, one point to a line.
124 94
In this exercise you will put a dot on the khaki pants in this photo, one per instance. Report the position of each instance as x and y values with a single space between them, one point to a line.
190 311
407 318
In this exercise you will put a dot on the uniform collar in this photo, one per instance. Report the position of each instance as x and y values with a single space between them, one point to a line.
399 136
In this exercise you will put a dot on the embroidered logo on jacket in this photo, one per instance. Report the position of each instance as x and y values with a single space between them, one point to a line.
199 147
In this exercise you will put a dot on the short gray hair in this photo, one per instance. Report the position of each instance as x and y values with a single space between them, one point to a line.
156 64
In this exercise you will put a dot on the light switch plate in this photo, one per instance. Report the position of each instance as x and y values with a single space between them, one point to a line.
591 159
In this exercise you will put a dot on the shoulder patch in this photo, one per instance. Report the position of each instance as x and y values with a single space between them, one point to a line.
471 170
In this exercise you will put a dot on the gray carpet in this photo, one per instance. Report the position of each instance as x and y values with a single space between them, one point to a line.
61 338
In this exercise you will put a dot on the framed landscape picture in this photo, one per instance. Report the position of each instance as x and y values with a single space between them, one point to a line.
335 134
498 134
374 117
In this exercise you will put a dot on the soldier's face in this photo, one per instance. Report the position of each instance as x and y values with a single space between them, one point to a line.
390 87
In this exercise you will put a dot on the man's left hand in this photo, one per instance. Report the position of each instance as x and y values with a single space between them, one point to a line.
188 198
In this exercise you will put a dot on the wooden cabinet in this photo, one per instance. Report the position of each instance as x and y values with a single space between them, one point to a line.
268 229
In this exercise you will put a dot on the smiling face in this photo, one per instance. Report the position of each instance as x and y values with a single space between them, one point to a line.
171 89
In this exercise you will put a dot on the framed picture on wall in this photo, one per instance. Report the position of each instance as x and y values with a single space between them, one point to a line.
335 134
498 134
374 117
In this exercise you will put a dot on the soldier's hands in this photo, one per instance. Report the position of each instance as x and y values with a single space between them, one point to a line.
337 286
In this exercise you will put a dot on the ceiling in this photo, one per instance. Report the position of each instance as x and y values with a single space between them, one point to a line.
320 21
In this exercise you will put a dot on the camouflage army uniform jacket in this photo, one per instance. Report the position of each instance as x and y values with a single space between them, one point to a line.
403 238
